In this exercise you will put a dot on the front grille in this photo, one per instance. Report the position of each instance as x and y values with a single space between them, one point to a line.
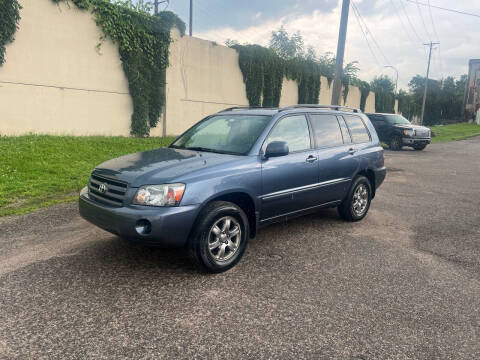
115 190
422 133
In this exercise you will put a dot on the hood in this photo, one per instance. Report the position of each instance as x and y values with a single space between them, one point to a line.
411 126
157 166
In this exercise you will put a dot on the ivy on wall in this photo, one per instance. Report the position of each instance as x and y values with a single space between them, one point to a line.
364 92
262 72
144 42
9 18
307 75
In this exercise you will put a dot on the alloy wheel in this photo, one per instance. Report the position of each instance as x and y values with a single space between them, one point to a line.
224 239
360 200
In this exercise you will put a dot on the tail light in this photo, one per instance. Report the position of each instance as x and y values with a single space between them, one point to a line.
383 157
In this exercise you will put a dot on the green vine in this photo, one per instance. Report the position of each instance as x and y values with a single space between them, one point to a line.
307 75
144 42
262 72
346 89
364 92
9 18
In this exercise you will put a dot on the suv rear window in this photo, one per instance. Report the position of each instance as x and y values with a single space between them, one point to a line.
357 128
326 130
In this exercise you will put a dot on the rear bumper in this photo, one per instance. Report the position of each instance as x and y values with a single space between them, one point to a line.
380 175
414 141
170 226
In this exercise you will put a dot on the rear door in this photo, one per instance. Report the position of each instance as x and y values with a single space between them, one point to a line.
288 182
361 141
336 163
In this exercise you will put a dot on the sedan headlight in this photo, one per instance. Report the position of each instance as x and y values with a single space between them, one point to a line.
159 195
408 132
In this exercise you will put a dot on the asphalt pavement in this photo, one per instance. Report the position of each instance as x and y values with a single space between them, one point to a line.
403 283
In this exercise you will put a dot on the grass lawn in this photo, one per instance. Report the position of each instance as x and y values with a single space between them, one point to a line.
37 171
454 132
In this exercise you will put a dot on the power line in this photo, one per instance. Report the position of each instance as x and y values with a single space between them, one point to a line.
410 22
423 21
445 9
371 34
401 21
365 36
415 44
439 57
431 19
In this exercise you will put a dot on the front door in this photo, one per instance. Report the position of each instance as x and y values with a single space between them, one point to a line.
288 182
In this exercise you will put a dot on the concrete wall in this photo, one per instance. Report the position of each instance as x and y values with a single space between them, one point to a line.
202 78
55 81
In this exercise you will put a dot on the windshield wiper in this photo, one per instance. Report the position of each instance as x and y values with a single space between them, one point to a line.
199 148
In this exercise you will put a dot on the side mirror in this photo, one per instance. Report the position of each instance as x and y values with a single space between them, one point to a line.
276 149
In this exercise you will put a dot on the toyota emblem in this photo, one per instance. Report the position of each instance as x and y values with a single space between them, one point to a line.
103 188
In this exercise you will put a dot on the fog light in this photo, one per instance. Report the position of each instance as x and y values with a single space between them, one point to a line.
143 227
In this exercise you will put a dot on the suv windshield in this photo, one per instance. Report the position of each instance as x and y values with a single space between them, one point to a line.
228 134
397 119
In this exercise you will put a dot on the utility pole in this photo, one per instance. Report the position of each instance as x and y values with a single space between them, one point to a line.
191 18
396 71
155 3
426 79
342 35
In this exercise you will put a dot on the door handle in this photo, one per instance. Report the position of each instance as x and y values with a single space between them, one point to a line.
312 159
352 151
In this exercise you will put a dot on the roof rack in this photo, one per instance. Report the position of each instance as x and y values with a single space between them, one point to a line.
247 108
314 106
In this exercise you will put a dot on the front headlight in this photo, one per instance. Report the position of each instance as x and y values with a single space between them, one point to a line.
159 195
408 132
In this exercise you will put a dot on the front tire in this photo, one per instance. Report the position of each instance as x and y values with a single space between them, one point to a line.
220 237
396 143
420 147
355 206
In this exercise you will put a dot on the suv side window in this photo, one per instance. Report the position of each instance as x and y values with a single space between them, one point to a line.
357 128
294 131
326 130
347 139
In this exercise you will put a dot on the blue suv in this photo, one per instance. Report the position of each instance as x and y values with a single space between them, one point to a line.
234 172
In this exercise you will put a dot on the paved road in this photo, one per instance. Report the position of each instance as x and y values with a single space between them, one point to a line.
403 283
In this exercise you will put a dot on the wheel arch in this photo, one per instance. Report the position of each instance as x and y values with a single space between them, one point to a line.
243 200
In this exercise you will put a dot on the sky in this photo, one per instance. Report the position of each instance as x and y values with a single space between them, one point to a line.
395 29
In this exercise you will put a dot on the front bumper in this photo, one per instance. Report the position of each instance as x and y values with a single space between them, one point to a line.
415 141
170 226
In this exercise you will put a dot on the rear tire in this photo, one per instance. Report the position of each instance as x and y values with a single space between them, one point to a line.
396 143
355 206
420 147
220 237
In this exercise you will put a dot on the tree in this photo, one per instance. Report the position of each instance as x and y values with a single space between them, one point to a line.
384 88
230 42
287 47
142 6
